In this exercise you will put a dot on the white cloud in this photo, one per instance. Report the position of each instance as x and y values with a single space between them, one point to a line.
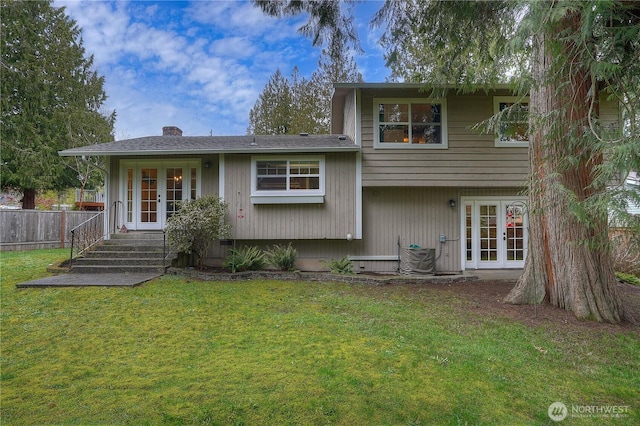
199 66
235 18
235 47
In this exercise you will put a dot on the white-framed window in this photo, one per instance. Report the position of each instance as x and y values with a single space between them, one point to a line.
287 180
410 123
514 121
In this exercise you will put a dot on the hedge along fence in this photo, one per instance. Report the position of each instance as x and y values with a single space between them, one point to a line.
38 229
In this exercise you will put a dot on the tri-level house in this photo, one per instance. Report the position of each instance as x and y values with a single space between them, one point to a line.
400 169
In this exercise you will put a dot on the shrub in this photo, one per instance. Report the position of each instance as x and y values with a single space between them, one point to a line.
196 225
340 266
625 252
281 256
247 258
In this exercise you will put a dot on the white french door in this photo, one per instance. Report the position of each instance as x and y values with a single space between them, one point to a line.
150 201
152 191
495 233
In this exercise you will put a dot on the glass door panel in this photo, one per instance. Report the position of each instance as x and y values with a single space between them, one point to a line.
488 221
173 190
468 227
148 196
514 234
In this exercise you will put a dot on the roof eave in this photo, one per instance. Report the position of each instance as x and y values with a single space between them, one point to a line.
69 153
497 86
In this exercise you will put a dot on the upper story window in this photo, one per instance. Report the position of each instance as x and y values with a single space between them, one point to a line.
410 123
514 120
287 180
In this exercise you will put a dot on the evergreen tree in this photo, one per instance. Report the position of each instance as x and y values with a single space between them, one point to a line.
297 105
51 97
336 65
271 114
301 108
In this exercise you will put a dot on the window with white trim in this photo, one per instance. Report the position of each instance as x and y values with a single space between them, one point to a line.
410 123
287 180
513 124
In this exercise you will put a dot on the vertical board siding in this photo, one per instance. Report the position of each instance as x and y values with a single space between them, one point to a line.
471 158
36 229
332 219
209 177
415 215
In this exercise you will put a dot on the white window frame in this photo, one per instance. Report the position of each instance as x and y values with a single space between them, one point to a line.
497 100
288 196
409 145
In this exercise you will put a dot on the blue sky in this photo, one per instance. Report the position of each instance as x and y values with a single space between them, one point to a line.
198 65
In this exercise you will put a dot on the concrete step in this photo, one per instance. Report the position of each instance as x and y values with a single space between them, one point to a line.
156 254
134 242
132 252
99 269
118 262
142 246
139 235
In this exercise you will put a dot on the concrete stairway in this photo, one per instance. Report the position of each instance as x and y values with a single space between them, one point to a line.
132 252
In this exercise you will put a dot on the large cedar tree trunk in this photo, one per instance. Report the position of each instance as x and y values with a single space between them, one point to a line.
568 263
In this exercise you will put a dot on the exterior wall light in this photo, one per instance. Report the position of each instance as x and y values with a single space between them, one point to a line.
452 203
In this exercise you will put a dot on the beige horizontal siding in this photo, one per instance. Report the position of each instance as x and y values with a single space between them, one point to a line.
471 159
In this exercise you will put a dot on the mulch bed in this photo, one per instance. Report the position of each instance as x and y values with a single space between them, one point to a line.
486 297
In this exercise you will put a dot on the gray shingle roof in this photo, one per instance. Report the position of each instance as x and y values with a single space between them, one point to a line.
175 145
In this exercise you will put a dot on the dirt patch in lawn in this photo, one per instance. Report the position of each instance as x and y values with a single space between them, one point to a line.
487 298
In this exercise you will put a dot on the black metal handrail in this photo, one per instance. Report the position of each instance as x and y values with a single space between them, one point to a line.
92 231
167 249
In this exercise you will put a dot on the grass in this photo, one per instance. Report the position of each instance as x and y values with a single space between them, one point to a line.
628 278
266 352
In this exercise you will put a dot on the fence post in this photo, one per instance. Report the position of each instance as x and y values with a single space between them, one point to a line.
63 227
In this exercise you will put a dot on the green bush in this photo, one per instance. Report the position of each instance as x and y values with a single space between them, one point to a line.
247 258
196 225
340 266
281 256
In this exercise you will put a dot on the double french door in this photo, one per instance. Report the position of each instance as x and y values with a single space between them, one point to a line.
153 191
495 233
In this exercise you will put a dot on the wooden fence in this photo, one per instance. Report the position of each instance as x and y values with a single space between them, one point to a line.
38 229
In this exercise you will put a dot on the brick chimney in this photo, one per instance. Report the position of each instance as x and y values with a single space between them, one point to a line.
171 131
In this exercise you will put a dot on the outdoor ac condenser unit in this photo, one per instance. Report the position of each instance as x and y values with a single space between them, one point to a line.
418 261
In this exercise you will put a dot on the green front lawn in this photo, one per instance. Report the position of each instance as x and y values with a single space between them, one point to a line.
175 351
